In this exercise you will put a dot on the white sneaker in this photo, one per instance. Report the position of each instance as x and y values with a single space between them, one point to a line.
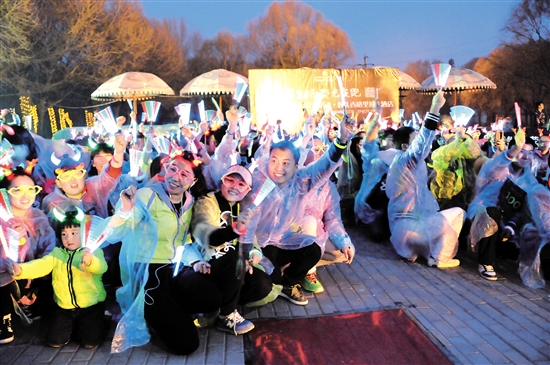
487 272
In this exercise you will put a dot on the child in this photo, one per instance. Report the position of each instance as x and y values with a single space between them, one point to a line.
90 194
78 289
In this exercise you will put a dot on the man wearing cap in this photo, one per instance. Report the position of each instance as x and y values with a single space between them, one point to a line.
217 224
279 224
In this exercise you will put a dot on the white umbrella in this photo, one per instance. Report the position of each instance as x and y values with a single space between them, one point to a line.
132 86
460 79
213 82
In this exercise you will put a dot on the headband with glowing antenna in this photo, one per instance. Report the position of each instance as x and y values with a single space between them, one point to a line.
60 216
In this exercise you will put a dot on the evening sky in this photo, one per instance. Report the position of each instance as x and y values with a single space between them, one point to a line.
390 32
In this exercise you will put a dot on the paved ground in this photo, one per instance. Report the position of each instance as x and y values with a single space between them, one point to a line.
472 320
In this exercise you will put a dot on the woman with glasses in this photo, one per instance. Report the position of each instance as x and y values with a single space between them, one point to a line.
36 239
164 277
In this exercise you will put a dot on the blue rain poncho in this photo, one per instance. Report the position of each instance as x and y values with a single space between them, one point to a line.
417 228
150 235
534 234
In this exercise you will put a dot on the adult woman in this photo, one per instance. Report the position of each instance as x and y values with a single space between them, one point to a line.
156 287
37 239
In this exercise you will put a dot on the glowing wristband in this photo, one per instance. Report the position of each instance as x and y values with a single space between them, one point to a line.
338 144
256 251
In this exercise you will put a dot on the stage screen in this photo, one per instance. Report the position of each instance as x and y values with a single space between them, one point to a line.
282 94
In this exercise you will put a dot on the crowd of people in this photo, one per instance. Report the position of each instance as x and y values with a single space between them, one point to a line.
168 233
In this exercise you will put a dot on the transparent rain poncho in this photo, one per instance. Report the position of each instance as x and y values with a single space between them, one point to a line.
375 164
535 233
324 205
40 241
417 228
94 201
276 221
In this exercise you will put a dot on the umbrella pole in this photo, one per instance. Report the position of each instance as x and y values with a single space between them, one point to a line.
455 98
221 107
134 100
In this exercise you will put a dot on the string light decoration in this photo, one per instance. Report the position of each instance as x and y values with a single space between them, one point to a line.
68 120
64 119
29 109
53 121
89 118
25 104
62 124
34 113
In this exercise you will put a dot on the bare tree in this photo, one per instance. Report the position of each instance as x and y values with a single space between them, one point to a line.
223 51
62 50
293 35
529 25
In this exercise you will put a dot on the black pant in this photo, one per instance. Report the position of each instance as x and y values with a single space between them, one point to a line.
301 261
88 324
6 303
489 247
170 300
42 288
256 286
111 278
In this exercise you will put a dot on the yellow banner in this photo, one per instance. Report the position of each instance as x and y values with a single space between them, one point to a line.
283 94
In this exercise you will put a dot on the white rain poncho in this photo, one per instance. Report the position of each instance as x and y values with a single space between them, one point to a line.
534 235
276 221
417 228
375 164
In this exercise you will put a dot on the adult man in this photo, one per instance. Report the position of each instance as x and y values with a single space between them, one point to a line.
417 227
279 222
